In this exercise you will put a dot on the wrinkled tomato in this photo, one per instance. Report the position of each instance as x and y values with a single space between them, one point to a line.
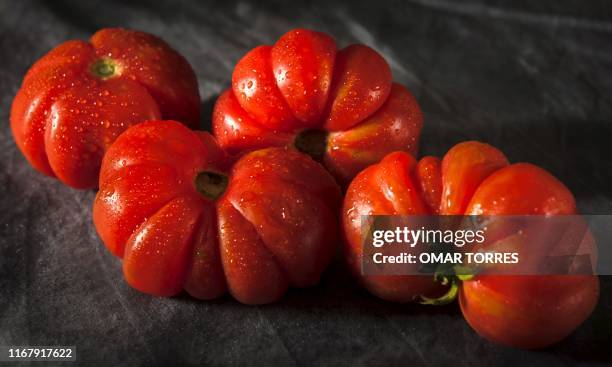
183 217
78 98
474 179
339 106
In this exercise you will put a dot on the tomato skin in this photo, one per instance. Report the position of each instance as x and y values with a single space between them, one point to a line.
428 179
476 179
521 189
303 82
361 84
66 113
528 312
464 167
254 86
273 227
395 126
237 131
303 64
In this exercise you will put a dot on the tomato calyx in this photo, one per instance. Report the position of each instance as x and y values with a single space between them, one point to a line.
211 184
312 142
105 68
452 277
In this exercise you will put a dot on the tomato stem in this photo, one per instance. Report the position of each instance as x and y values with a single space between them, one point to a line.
104 68
312 142
211 184
457 275
446 298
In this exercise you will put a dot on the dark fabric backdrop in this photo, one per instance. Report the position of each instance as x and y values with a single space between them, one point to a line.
533 78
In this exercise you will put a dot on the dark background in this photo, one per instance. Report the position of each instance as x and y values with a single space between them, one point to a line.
531 77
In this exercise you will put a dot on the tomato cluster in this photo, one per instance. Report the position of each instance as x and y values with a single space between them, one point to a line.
258 207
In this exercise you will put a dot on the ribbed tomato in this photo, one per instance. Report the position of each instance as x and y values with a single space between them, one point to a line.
475 179
340 107
78 98
182 217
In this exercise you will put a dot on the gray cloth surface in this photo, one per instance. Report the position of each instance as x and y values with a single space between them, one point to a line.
532 78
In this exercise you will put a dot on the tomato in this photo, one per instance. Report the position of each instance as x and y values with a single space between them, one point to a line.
339 106
183 216
475 179
78 98
390 187
526 311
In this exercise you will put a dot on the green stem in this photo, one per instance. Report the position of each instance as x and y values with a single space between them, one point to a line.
211 184
459 274
446 298
104 68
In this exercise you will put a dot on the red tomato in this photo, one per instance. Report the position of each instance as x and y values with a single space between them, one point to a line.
475 179
182 217
387 188
340 107
78 98
526 311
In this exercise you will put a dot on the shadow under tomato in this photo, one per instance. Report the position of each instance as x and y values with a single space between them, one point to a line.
206 110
